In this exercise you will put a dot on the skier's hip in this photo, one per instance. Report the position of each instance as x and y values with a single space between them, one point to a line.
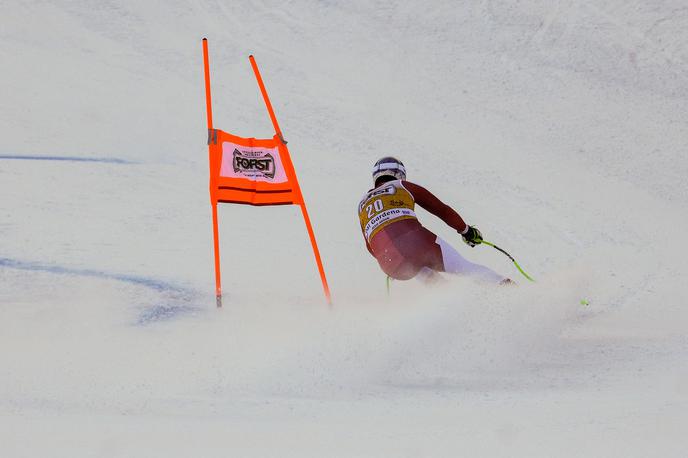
404 248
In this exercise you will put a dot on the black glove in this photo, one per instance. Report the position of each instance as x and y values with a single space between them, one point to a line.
472 236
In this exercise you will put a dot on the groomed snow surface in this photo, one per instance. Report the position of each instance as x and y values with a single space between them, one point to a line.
558 128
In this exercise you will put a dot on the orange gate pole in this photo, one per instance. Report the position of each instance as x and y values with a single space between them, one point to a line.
216 238
302 202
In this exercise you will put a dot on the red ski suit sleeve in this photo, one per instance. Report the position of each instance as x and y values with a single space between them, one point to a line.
428 201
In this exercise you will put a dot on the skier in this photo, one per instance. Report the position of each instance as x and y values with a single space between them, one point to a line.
395 237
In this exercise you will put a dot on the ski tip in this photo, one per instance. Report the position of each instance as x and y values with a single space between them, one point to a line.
205 39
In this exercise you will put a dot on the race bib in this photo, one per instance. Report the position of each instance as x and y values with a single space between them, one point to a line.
384 205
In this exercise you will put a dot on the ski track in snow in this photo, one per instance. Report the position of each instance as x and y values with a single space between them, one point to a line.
174 300
106 160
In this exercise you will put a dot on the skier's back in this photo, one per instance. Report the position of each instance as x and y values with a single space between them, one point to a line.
395 237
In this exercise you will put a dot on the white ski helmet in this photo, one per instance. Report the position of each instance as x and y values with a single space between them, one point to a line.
389 166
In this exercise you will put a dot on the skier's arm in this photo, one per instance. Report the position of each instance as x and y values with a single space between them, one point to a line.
428 201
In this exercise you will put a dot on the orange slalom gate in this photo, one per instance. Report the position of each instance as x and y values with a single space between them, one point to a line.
252 171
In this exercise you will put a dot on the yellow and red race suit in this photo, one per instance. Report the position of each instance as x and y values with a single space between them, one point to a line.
392 232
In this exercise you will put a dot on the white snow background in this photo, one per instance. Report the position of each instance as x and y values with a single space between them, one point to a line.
559 128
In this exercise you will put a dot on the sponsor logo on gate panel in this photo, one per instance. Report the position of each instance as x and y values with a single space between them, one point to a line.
254 163
257 164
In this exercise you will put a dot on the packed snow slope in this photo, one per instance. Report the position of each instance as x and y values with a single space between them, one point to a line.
558 128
